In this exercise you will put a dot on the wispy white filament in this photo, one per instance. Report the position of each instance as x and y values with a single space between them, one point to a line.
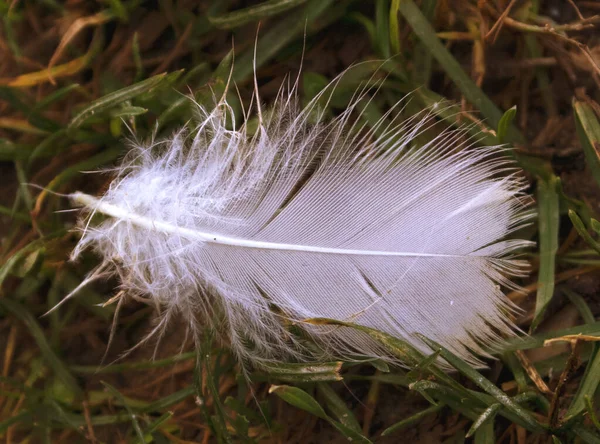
310 218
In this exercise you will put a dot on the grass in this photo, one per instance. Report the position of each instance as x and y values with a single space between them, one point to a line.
76 78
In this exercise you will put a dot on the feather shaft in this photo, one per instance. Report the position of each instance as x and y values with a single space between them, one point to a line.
215 238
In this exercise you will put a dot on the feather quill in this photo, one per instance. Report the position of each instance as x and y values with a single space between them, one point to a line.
307 217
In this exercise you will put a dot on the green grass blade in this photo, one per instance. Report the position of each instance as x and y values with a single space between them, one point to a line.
59 414
122 95
595 225
157 406
9 265
20 102
252 13
517 370
423 29
394 27
134 366
23 187
446 395
127 111
302 400
412 420
382 28
582 307
400 349
592 413
588 131
486 385
505 122
300 372
23 417
155 425
278 36
350 434
422 59
485 434
10 151
587 388
52 145
487 415
58 95
587 436
548 217
582 231
22 217
591 378
338 407
203 362
543 80
60 369
392 378
168 401
91 163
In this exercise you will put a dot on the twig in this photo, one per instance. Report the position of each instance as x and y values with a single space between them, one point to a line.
532 373
570 367
577 11
88 422
495 31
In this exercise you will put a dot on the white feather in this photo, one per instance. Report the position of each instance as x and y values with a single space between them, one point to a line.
310 218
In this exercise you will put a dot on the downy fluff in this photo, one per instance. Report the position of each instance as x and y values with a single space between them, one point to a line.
255 231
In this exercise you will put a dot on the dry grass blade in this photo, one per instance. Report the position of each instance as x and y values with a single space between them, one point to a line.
76 27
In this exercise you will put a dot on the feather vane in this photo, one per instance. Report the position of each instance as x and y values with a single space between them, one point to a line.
314 218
